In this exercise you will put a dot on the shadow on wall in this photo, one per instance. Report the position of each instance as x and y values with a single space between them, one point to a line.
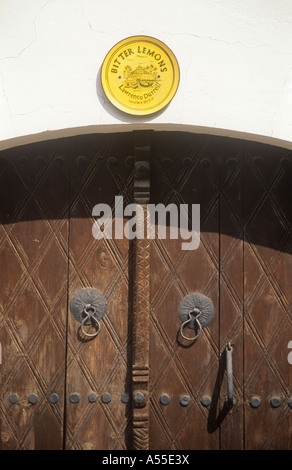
243 188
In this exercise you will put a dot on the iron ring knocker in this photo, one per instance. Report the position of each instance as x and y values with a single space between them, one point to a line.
88 307
90 315
193 313
196 312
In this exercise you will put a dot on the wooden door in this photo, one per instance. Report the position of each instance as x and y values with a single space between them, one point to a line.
139 384
99 368
267 297
33 306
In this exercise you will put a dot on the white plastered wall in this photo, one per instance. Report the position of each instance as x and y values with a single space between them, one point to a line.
235 60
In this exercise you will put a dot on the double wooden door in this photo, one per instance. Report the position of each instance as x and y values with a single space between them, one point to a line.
138 384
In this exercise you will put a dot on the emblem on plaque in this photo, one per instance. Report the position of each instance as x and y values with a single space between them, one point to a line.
140 75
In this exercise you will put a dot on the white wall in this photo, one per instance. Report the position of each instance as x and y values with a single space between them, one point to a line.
235 58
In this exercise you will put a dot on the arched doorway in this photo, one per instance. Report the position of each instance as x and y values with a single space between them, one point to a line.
139 383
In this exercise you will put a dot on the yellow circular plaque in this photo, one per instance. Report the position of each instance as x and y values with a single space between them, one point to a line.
140 75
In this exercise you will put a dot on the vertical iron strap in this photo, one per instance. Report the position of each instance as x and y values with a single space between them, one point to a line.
229 371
